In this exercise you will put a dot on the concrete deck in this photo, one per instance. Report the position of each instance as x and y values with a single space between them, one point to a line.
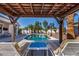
7 49
71 49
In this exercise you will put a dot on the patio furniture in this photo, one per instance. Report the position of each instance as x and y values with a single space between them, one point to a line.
21 46
71 48
58 50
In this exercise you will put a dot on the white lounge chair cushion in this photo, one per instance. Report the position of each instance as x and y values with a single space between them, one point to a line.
22 43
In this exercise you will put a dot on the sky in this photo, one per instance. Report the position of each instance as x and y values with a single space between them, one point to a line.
31 20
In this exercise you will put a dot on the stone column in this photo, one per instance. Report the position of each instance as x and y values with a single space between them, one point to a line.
70 26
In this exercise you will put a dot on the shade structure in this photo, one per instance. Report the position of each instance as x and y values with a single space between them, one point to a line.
38 9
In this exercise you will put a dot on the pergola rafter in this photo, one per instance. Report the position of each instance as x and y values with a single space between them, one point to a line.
6 12
22 8
60 9
13 10
31 8
51 9
42 8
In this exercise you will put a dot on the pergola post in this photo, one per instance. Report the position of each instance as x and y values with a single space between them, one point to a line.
60 31
78 26
14 21
60 22
14 32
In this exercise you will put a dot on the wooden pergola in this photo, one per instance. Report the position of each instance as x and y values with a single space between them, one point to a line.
56 10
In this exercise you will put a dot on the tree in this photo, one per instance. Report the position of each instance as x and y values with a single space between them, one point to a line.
45 25
51 26
55 29
31 27
26 28
19 31
37 26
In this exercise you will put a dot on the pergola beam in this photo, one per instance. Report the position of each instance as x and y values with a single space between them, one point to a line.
31 8
70 11
36 15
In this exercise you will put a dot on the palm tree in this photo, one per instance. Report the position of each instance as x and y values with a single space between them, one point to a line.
19 30
31 27
45 25
26 28
37 26
40 27
51 26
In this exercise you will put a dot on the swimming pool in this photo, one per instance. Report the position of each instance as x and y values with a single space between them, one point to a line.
36 37
39 49
38 45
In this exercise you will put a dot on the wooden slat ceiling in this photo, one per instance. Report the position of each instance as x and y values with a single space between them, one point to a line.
38 9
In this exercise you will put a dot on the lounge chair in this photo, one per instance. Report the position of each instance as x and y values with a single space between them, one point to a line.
59 49
21 47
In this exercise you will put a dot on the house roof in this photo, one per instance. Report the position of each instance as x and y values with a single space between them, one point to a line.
38 9
5 20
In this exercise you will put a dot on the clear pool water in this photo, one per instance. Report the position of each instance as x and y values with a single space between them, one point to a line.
38 45
36 37
38 49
